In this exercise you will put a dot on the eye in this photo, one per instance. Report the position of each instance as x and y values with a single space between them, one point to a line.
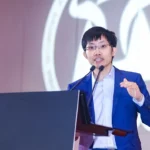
90 48
104 46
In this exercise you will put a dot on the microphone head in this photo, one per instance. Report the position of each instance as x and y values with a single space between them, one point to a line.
92 68
101 68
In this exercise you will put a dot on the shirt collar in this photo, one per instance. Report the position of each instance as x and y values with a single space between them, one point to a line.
109 75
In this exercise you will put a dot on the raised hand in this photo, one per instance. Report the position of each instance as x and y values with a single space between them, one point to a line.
132 89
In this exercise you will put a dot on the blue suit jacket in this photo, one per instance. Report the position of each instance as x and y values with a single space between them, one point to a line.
125 111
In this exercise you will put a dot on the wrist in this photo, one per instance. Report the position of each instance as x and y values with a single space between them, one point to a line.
140 97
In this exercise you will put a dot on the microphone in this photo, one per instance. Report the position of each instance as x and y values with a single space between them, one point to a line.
91 70
100 69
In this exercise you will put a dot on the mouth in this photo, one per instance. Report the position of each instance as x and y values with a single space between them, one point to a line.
98 60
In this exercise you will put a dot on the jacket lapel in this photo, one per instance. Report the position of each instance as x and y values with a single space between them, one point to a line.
117 89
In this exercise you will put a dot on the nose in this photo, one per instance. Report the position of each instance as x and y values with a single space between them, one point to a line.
97 51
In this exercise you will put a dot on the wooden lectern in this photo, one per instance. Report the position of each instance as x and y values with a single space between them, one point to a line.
85 129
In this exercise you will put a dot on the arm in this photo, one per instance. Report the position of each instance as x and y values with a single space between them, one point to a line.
144 110
138 91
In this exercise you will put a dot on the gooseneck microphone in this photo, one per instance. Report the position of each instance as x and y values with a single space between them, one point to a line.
100 69
91 70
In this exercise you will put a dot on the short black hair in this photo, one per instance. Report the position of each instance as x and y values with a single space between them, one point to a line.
95 33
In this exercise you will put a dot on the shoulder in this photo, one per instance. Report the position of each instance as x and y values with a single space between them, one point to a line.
130 75
74 82
80 83
127 73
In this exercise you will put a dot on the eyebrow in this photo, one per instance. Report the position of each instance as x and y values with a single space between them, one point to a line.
98 42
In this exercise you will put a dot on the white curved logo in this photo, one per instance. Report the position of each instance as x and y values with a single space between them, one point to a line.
133 47
48 48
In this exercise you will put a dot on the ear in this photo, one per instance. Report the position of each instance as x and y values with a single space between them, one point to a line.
84 54
114 50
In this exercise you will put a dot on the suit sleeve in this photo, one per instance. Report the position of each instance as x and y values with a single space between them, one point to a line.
144 110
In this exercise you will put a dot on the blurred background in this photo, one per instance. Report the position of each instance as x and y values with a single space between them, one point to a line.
40 42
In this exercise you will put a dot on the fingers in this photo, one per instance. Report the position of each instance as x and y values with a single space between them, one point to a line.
132 89
125 83
128 84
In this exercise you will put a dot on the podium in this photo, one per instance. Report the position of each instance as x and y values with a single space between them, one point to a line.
45 121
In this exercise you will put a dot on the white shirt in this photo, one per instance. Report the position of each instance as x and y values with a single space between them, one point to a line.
103 102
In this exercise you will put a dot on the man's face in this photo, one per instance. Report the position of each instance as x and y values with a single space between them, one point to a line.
99 52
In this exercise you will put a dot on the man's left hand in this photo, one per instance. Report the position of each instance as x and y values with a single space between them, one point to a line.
132 89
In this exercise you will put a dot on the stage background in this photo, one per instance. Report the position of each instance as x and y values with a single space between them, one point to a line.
40 42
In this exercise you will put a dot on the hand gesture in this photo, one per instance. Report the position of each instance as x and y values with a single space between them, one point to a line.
132 88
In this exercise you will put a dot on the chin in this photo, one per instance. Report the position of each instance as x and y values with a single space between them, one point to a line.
97 66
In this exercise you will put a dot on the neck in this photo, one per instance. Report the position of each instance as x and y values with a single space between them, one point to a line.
105 71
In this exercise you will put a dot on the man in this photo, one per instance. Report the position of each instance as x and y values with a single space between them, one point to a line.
119 95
